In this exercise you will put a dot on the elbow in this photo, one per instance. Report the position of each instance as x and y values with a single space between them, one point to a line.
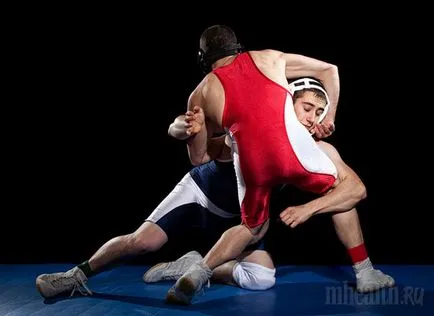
197 161
177 133
172 131
362 191
169 130
358 189
333 69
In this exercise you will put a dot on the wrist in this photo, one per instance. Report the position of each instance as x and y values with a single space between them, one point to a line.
331 114
313 207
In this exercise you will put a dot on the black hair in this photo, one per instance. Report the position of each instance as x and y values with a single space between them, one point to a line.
216 37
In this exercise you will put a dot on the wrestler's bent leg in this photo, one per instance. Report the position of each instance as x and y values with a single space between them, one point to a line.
253 270
230 245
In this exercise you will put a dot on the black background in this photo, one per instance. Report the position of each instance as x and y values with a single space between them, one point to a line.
92 95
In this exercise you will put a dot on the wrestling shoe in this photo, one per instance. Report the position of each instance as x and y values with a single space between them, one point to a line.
171 270
50 285
373 280
190 284
370 279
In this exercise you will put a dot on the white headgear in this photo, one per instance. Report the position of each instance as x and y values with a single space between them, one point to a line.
309 83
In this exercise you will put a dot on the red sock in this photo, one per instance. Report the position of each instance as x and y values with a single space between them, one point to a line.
358 253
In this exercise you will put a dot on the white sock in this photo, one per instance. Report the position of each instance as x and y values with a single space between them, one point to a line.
363 266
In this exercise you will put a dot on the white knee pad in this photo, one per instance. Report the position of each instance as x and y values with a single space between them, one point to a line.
253 276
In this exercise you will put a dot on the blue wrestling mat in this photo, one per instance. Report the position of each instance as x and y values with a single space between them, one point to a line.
300 290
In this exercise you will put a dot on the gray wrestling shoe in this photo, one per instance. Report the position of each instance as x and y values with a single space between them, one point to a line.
191 283
370 279
171 270
373 280
50 285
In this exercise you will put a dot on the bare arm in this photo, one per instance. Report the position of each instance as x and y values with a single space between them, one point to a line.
346 194
303 66
215 146
198 142
348 191
196 129
214 150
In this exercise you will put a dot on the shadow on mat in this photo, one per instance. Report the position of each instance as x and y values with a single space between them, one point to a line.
296 298
331 272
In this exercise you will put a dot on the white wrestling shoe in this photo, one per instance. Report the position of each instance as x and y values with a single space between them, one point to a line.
190 284
370 279
171 270
373 280
50 285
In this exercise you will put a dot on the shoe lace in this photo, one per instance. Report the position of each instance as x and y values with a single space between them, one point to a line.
180 266
76 283
82 288
171 276
201 291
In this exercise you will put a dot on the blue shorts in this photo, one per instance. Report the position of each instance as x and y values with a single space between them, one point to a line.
206 199
218 181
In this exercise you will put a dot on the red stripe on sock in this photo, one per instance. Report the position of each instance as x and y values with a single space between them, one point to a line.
358 253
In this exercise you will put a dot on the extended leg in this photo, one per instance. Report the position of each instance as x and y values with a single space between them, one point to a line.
148 237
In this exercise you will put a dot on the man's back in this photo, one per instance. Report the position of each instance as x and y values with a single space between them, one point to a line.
258 112
211 89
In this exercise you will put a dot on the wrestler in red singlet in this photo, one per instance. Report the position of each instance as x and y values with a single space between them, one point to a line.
270 145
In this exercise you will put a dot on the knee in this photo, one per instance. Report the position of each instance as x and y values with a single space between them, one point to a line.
258 232
140 243
253 276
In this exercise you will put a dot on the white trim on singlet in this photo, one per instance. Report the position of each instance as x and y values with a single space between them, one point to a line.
186 192
236 158
310 155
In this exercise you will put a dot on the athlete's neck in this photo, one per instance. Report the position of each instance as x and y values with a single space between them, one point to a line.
224 61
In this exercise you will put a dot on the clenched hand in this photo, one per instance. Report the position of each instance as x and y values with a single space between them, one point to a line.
295 215
195 120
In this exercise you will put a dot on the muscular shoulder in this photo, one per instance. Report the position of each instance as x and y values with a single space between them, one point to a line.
329 150
266 53
195 96
201 89
269 61
212 88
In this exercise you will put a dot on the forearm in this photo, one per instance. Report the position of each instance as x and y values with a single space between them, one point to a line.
214 148
330 79
342 198
197 147
302 66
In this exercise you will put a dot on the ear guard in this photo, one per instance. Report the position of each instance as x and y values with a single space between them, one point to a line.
308 83
206 59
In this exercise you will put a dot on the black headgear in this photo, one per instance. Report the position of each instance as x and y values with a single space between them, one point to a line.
206 59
